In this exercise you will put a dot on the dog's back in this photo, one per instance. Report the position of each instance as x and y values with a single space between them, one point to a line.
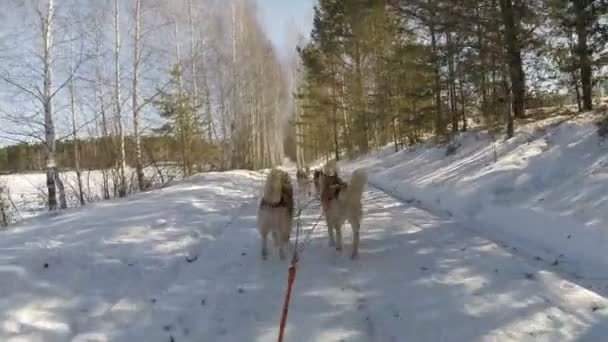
354 190
275 215
287 193
342 202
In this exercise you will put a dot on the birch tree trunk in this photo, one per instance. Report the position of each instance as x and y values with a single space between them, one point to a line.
63 203
122 186
211 131
101 107
235 92
139 168
49 125
195 101
178 56
74 130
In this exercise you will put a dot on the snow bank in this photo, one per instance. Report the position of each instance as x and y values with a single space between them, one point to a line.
547 190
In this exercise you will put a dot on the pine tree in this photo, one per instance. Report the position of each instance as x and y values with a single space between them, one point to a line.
176 106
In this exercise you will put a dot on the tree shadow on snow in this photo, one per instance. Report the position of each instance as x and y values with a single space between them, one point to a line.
421 278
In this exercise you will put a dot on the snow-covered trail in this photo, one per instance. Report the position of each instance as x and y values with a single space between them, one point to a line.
121 274
422 278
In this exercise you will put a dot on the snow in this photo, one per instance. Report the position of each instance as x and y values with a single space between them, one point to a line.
183 263
546 194
28 190
94 271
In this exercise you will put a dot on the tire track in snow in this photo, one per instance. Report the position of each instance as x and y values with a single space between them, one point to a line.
217 233
541 258
344 268
181 274
194 255
344 273
563 291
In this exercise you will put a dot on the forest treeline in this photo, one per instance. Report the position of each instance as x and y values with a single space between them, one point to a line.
376 72
99 154
120 85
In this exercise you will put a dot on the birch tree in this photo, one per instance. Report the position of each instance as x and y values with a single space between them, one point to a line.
46 21
122 163
73 117
43 96
139 168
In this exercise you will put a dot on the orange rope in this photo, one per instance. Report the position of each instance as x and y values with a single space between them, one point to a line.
291 278
290 281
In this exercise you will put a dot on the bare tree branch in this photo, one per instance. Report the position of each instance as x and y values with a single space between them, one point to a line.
34 93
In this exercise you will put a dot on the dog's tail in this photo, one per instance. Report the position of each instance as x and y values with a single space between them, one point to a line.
272 188
354 191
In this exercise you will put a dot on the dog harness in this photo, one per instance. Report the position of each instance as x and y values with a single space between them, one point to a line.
334 189
265 204
282 203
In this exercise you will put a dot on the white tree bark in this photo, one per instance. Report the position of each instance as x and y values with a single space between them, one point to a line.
135 103
73 114
63 203
100 105
193 57
234 154
178 56
46 21
122 186
211 131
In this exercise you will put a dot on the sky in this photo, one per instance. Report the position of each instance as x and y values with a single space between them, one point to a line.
281 17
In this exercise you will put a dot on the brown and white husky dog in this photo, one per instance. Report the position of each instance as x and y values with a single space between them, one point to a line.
341 202
275 214
303 179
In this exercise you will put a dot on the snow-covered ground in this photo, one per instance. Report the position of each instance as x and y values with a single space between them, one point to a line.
546 193
182 264
28 190
116 270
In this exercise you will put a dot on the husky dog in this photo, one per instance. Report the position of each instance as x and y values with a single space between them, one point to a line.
341 202
275 214
303 179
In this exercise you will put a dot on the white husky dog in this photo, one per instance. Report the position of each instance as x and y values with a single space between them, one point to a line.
275 214
342 202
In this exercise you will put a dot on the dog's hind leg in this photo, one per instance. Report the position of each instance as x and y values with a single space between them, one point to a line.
265 246
355 224
338 229
330 232
278 243
282 250
263 228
